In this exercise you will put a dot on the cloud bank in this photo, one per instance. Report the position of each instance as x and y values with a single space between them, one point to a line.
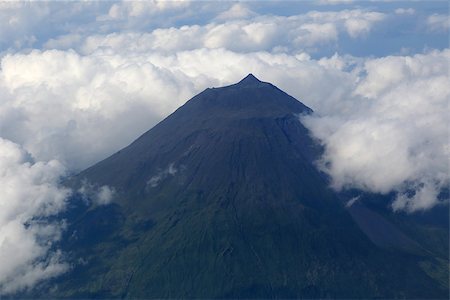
238 32
395 138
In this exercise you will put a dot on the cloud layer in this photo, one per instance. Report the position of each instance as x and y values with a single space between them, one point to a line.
238 32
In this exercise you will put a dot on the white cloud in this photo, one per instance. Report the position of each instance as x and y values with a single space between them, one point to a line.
438 22
395 137
424 197
357 22
29 193
334 2
133 9
236 11
268 33
357 27
105 195
133 12
405 11
95 195
80 108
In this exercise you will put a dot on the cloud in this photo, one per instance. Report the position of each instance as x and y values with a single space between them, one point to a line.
352 201
161 175
104 195
357 22
59 104
27 24
258 33
29 194
95 195
141 14
236 11
81 108
405 11
438 22
130 9
395 137
334 2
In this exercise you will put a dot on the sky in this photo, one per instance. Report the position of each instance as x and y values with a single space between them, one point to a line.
80 80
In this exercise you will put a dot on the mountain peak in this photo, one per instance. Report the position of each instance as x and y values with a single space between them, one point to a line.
250 79
230 177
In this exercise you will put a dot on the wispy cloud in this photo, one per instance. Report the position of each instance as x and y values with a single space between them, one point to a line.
439 22
155 180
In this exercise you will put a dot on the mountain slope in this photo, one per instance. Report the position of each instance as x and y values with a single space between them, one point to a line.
222 199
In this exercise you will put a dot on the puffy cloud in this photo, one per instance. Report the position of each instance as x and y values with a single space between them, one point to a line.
357 27
395 137
81 108
357 22
236 11
438 22
268 33
29 194
388 73
104 195
424 197
127 9
141 14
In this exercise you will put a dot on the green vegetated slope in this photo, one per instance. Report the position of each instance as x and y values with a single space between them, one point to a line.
222 200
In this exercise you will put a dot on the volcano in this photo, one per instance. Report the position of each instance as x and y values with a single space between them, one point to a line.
222 199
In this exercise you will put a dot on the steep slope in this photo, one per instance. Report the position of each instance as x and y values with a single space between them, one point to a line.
222 199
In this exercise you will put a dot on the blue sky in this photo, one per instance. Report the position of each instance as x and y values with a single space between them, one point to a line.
81 80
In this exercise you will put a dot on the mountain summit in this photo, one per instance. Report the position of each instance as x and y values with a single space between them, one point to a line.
250 79
222 199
